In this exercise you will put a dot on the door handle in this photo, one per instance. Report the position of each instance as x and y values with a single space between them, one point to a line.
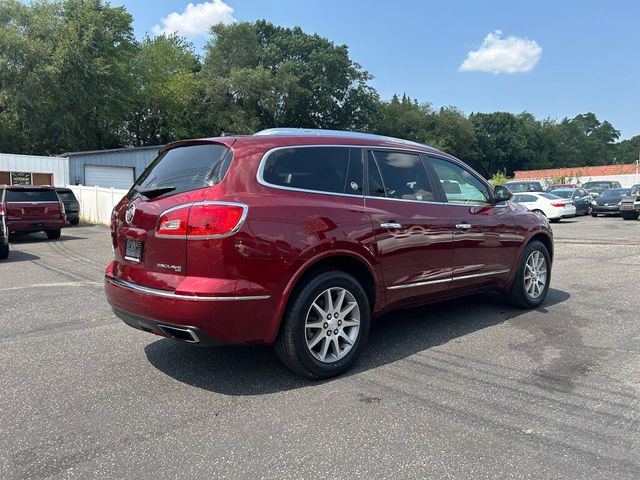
390 225
463 226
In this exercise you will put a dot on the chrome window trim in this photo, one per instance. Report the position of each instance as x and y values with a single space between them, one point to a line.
453 279
260 173
176 296
243 217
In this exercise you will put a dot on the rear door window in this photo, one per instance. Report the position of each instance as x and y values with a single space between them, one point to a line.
403 176
322 169
66 196
31 196
185 168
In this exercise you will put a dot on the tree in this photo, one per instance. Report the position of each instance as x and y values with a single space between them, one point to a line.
165 71
64 75
258 75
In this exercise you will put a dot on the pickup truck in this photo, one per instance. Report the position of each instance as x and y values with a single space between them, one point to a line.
29 209
630 204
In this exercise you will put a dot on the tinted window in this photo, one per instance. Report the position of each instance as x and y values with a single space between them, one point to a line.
525 199
550 196
459 185
186 168
517 187
563 193
376 187
66 195
324 169
404 176
31 196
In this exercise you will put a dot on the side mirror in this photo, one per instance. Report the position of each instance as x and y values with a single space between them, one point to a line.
501 193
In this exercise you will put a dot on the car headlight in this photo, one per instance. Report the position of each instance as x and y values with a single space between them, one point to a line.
593 202
619 203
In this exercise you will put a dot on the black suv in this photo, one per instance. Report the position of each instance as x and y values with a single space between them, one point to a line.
71 205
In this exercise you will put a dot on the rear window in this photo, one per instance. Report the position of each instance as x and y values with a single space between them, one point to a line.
66 195
186 168
30 196
553 196
563 193
323 169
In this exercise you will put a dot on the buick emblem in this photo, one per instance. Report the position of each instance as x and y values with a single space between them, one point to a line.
131 211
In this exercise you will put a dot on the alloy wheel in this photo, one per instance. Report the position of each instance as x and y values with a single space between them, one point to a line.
332 324
535 274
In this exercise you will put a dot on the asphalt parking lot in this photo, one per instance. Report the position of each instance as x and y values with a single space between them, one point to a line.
466 389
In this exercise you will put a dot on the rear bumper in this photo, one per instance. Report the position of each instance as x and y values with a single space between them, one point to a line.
166 329
27 226
604 209
217 320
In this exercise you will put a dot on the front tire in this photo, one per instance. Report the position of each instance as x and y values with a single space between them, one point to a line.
531 284
4 250
630 215
53 234
325 326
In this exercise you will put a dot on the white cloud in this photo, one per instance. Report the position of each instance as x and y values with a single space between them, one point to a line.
196 19
503 55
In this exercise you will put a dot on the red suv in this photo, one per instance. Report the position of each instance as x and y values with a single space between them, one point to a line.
299 237
29 209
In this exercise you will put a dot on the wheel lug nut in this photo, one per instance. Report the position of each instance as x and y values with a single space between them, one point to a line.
328 333
335 331
329 317
325 325
339 322
335 315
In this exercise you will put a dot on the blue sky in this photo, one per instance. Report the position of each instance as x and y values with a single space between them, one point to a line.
569 57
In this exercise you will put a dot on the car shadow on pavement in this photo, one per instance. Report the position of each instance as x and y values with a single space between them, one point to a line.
15 256
255 370
40 237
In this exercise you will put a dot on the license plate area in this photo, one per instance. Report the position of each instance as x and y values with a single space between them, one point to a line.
133 250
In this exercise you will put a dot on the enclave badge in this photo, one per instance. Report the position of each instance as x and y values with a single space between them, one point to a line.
131 211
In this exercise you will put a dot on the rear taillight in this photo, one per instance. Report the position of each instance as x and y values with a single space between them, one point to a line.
199 220
562 204
1 210
62 211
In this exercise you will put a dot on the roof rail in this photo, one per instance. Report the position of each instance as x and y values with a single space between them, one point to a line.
319 132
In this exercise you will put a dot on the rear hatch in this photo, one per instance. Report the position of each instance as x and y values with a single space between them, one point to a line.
32 205
71 204
178 177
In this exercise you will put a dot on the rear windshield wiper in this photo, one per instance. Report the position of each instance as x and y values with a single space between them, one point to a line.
153 192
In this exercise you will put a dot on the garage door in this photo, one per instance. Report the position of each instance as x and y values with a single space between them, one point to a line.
116 177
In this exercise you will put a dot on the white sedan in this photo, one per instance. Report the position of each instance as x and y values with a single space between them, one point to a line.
547 204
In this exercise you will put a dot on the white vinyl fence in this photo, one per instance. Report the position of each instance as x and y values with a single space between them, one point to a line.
96 203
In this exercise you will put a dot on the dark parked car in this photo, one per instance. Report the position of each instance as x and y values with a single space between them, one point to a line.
299 237
596 188
71 205
4 232
608 202
29 209
579 196
518 187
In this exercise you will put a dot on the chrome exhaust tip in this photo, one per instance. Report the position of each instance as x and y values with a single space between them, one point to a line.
177 333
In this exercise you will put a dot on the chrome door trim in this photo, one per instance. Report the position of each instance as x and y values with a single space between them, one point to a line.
453 279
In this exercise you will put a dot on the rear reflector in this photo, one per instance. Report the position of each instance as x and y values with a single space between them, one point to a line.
201 220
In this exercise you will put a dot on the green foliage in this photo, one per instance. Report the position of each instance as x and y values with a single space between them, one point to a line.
73 77
498 178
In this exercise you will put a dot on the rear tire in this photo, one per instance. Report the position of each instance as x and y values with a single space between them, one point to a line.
534 268
74 222
4 250
53 234
305 330
594 214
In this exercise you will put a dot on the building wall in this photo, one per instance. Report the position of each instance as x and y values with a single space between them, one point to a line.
57 166
138 158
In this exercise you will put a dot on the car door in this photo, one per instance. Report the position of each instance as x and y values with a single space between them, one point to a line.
582 201
485 240
414 240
